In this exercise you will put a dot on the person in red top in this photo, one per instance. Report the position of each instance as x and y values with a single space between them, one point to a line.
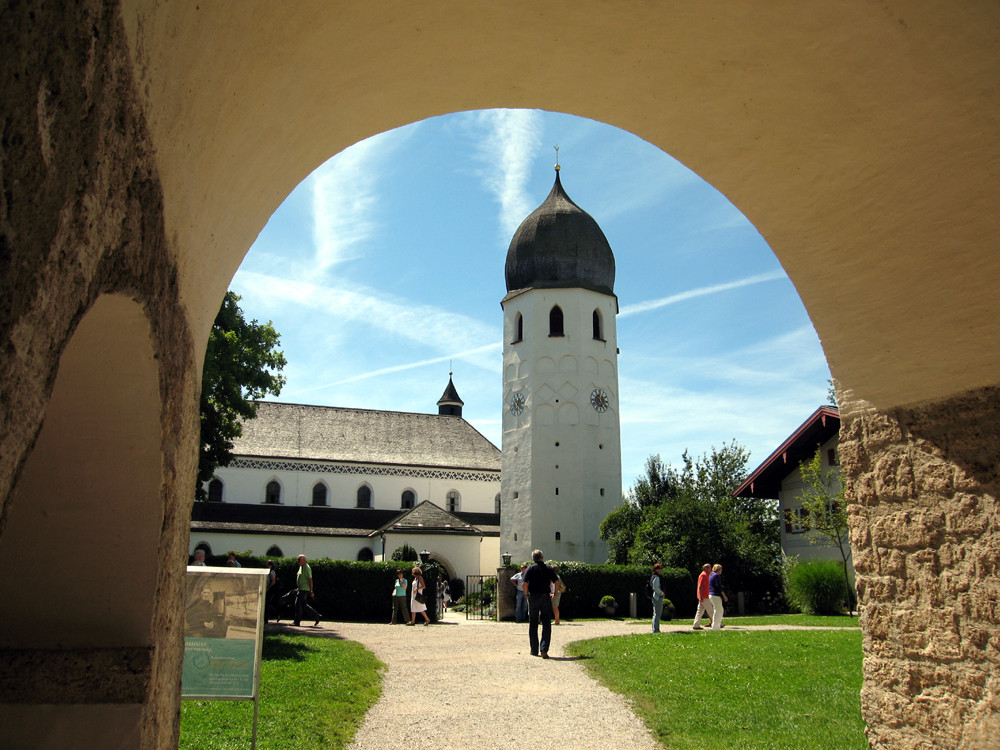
704 603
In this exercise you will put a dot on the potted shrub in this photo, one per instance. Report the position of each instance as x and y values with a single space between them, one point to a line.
668 609
609 605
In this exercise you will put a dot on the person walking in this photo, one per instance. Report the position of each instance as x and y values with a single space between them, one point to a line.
304 581
271 593
704 602
557 591
537 586
657 585
521 605
717 595
399 613
418 600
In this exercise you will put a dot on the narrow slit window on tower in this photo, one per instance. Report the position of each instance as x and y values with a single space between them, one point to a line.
556 321
557 490
558 536
602 492
518 328
598 333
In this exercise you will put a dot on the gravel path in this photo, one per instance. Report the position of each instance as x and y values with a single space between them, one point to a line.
472 684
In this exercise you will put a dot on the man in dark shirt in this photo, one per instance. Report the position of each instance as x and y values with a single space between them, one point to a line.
537 585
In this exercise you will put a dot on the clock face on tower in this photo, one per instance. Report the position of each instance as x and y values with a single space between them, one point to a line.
599 400
517 403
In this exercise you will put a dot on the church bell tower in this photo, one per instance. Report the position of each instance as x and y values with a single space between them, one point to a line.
561 461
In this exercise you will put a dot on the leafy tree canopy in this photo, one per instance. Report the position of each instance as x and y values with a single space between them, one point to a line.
687 516
242 363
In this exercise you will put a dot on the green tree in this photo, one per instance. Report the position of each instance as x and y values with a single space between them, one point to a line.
242 363
687 516
824 511
619 530
404 553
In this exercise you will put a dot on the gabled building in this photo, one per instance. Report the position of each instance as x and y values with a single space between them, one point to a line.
355 484
779 478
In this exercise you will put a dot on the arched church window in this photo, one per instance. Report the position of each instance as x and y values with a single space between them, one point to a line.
519 328
364 496
598 331
496 504
556 321
215 491
365 554
409 499
272 494
204 547
275 551
319 494
454 502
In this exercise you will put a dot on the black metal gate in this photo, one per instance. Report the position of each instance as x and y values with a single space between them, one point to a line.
480 597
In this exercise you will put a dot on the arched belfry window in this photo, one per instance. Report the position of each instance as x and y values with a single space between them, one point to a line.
518 328
364 496
556 321
319 494
272 493
454 502
215 491
409 499
598 330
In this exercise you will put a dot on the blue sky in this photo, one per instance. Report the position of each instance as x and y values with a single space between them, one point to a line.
387 263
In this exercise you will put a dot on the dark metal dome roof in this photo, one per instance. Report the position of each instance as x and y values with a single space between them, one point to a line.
560 245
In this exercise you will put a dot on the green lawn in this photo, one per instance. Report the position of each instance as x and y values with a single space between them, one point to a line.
314 694
826 621
731 689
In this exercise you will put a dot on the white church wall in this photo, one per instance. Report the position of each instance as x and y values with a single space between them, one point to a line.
461 554
291 545
246 484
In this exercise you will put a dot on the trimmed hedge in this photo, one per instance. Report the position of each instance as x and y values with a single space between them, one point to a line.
587 584
346 590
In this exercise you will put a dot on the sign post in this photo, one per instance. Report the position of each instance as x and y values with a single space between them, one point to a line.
224 635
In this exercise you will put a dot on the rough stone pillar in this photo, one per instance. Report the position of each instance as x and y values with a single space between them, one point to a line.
81 219
923 484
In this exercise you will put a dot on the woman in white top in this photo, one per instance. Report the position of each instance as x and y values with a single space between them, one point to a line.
418 587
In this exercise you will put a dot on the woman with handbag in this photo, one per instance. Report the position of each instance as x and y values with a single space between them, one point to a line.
417 597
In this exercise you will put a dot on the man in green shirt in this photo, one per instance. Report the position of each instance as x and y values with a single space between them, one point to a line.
304 580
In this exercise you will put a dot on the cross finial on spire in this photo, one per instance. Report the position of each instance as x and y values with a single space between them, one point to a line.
557 157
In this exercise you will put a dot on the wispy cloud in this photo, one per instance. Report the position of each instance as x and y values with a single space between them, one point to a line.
345 192
402 319
641 307
464 355
508 151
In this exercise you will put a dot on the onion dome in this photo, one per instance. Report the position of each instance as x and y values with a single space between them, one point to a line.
450 404
560 245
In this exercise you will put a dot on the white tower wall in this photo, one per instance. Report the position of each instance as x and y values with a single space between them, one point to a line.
561 460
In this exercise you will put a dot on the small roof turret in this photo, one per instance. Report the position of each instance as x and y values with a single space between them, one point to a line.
450 404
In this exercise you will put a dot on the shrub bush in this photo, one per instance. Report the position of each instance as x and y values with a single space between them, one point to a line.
346 590
817 587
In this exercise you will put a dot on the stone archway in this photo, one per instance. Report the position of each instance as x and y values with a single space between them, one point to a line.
145 145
